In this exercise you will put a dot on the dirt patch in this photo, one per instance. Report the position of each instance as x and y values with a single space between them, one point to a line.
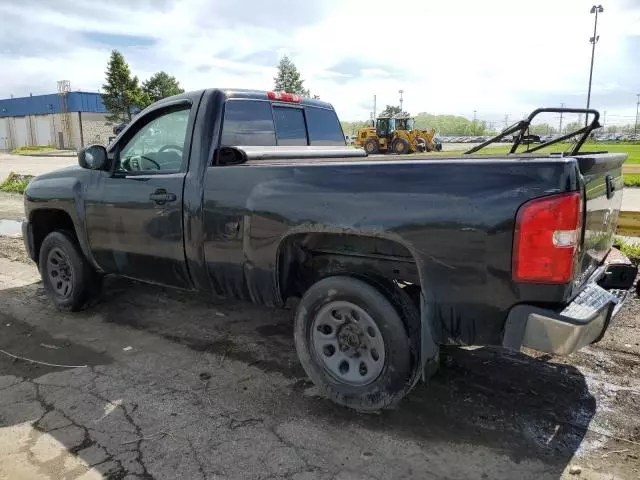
11 206
12 248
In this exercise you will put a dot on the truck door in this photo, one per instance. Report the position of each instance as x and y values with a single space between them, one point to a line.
134 217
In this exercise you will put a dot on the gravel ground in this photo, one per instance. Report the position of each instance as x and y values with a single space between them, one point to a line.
170 384
32 165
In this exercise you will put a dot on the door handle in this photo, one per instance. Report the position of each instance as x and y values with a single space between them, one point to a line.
161 196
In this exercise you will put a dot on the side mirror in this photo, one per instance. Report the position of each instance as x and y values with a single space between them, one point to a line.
231 156
93 157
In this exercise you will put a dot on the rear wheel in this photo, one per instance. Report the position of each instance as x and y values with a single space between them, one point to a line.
400 146
371 146
68 279
353 344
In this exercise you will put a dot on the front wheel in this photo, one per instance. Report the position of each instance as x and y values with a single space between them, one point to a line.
68 279
353 344
400 146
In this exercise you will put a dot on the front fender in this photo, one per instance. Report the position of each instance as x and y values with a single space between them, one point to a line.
64 194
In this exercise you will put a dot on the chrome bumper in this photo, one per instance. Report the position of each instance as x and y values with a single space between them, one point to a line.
582 322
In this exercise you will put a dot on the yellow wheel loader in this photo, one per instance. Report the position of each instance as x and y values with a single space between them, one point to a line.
396 135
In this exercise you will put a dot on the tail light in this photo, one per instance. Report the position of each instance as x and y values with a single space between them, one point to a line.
547 236
284 97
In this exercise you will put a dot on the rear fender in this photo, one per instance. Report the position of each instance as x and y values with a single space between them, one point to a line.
429 344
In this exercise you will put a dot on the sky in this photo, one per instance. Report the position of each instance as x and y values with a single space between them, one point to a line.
497 57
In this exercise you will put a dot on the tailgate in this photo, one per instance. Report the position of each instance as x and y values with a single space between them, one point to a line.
603 183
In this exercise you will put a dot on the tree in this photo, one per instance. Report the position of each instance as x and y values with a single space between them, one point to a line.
543 129
391 111
573 126
121 91
351 128
160 85
288 79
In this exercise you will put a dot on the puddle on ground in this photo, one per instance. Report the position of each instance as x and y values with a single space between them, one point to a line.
10 228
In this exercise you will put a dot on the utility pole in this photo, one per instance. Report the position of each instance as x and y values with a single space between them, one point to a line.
594 9
604 120
474 122
560 128
635 129
374 109
401 92
506 121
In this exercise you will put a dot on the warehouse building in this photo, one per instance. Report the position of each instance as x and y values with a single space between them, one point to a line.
68 121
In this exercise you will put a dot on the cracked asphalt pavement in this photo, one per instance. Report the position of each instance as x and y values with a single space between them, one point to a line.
162 384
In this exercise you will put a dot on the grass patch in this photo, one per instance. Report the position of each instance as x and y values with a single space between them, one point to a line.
631 149
32 150
15 183
632 180
630 249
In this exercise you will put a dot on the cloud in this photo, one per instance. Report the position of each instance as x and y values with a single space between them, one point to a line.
449 57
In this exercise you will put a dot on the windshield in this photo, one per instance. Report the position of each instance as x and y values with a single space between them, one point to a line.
410 123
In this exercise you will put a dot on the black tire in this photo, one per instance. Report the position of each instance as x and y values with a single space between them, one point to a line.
438 147
400 146
397 374
83 281
371 146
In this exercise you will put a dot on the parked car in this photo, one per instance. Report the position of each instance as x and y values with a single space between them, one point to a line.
118 128
254 195
529 139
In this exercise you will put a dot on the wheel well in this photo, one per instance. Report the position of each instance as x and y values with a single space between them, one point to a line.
45 221
303 259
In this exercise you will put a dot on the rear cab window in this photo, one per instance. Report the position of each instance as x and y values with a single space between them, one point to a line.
248 123
324 127
263 123
290 126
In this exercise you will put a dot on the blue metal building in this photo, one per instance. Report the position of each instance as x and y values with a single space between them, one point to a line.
68 122
51 103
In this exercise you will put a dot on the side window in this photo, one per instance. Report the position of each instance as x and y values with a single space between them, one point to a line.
324 127
290 128
158 145
247 123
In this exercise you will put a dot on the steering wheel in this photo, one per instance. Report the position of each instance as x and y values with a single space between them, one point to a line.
171 147
152 161
134 163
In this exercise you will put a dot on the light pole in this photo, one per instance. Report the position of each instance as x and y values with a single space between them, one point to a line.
635 129
594 9
401 92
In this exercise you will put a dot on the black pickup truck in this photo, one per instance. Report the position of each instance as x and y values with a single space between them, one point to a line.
254 195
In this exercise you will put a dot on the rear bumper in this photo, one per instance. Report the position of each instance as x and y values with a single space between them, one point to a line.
580 323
